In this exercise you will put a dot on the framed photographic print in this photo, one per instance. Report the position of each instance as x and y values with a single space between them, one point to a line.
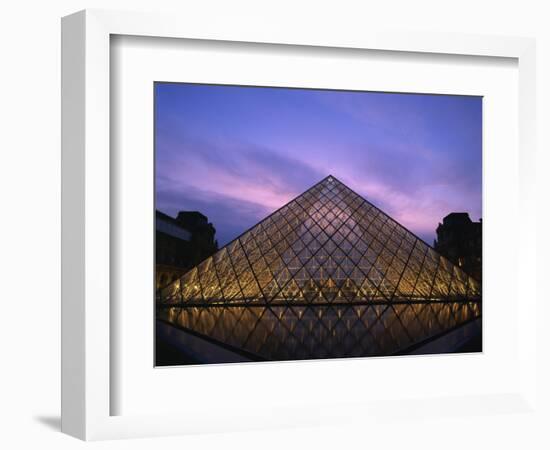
322 213
295 263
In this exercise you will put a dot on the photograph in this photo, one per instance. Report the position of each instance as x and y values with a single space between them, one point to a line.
297 223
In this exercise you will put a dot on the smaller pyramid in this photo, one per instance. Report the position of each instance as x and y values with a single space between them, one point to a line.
327 246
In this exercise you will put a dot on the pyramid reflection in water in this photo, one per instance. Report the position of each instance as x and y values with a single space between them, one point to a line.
279 333
328 246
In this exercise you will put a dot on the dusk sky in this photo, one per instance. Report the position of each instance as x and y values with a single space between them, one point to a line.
236 154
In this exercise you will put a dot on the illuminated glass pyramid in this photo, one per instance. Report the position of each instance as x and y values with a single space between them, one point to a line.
327 246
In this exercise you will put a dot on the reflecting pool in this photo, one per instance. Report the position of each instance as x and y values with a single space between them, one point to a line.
328 331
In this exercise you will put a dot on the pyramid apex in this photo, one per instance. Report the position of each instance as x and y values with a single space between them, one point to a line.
331 177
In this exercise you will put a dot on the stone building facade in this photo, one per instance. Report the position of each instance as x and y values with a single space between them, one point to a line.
460 240
181 243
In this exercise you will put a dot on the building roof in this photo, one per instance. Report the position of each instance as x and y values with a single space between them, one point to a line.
457 218
170 226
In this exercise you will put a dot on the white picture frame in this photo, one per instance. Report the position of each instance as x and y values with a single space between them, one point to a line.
87 324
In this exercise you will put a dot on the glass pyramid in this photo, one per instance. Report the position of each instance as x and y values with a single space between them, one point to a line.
327 246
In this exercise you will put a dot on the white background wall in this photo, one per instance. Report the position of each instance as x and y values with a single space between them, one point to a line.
30 195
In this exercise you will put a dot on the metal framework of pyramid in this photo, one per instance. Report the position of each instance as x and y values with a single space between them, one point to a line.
327 246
